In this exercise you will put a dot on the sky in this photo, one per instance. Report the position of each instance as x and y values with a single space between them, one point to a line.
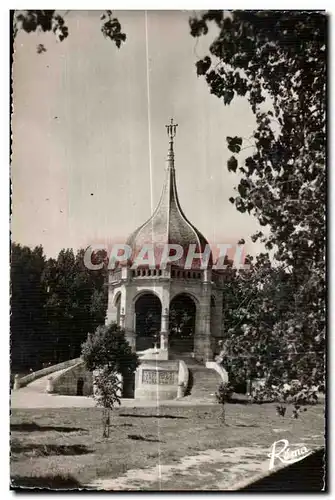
89 139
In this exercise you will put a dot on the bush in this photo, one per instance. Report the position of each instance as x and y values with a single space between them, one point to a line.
107 354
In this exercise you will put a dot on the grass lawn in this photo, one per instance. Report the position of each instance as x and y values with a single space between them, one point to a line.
64 448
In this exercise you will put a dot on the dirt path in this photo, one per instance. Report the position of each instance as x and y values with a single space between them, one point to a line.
27 397
212 469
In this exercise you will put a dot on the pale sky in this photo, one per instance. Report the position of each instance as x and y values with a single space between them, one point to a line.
80 164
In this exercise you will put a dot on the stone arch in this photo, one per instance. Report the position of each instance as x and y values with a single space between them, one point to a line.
148 317
182 322
117 298
117 306
145 291
190 294
80 386
212 315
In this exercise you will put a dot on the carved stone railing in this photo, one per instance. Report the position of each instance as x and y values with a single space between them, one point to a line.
22 382
219 369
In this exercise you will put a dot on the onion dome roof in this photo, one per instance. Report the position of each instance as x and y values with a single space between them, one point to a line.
168 224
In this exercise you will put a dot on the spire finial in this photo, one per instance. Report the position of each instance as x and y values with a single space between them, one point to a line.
171 132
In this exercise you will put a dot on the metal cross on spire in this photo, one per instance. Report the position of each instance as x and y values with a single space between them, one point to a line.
171 130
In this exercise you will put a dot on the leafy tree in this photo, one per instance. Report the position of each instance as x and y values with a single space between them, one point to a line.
107 389
256 300
276 60
106 354
27 319
257 345
59 277
32 21
76 303
54 304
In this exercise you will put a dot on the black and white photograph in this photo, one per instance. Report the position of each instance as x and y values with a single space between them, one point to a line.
168 294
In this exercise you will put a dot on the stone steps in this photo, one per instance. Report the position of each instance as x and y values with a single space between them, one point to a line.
204 382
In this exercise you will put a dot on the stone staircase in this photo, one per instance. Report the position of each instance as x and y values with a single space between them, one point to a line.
40 384
203 382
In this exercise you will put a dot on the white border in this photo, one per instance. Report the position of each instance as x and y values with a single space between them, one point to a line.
4 254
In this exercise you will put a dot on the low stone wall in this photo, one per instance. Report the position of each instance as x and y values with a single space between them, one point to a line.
153 354
183 378
219 369
22 382
73 380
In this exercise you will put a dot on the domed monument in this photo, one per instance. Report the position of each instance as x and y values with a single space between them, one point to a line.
167 296
171 304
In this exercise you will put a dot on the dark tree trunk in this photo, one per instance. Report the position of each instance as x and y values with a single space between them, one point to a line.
105 422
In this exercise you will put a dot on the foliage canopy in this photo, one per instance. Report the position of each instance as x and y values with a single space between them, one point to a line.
276 60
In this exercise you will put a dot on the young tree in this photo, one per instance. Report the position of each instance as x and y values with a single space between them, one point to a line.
276 60
222 396
107 388
107 355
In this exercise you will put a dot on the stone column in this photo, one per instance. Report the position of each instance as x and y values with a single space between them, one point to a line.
207 351
50 385
122 318
207 289
16 382
127 317
112 310
164 329
125 272
216 321
202 347
131 338
207 276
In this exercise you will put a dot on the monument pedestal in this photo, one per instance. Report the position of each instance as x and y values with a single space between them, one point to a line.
154 354
157 380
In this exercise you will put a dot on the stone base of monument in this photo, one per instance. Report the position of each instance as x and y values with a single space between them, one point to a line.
154 354
159 379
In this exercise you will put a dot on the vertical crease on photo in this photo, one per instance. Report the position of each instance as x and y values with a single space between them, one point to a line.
151 207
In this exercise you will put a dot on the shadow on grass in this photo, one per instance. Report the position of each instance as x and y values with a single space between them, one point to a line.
32 427
189 384
136 437
237 401
45 450
246 425
58 482
149 416
305 476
